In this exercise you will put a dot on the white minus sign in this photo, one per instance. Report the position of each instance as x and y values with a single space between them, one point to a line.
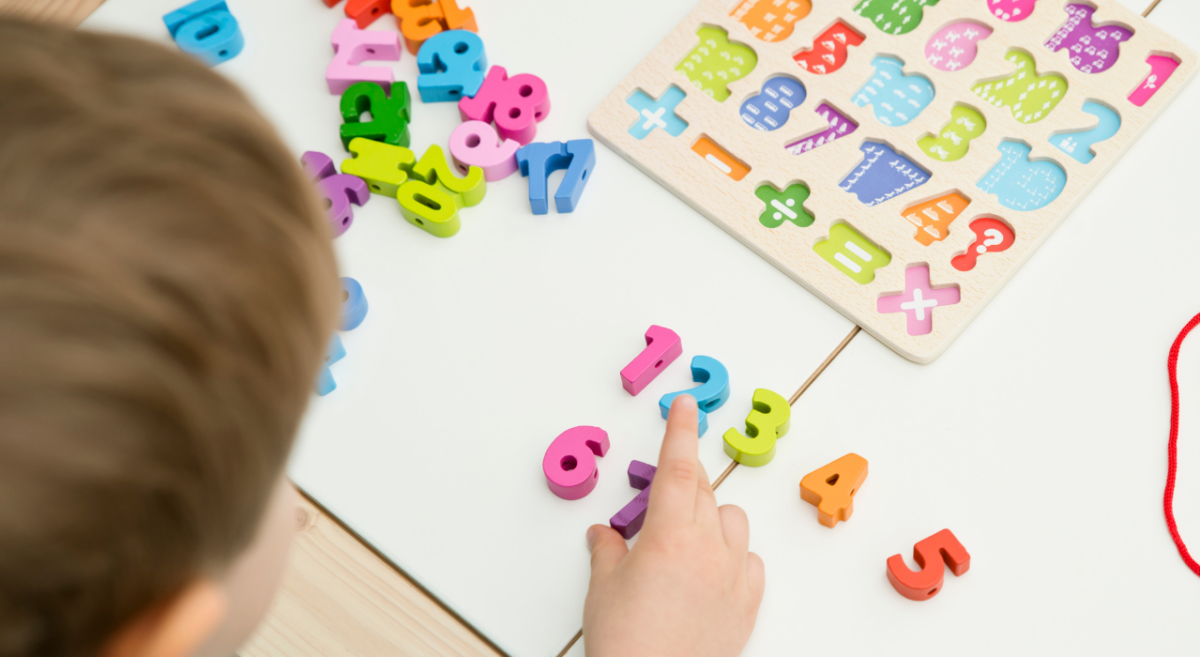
725 168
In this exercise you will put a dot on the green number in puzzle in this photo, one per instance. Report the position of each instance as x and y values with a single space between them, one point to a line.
715 62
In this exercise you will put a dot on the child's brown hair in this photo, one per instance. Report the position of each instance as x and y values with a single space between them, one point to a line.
167 291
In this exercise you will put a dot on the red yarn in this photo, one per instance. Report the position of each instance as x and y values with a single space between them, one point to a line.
1169 495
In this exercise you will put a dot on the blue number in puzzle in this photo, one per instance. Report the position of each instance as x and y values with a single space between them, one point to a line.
772 108
1079 144
1020 184
896 98
882 174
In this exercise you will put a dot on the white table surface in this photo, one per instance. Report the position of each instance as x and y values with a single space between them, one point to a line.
1039 438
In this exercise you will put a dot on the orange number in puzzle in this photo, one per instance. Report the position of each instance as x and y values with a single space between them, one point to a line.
771 20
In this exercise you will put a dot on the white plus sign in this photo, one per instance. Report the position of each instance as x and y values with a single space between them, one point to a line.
918 304
655 119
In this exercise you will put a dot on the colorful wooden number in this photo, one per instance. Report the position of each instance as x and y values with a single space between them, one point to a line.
389 116
771 108
384 167
476 144
1021 184
954 47
1092 48
433 169
894 16
337 190
787 205
932 555
955 139
896 98
205 29
365 12
768 422
538 160
430 200
832 488
715 62
351 47
628 521
721 159
570 461
354 305
657 113
1028 96
333 353
663 346
1079 144
452 66
422 19
1161 68
429 208
933 218
517 104
711 394
882 174
830 50
1011 10
991 235
839 126
770 20
851 253
918 300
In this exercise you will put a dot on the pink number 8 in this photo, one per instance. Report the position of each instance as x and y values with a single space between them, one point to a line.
517 104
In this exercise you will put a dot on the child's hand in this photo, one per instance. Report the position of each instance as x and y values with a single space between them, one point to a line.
689 587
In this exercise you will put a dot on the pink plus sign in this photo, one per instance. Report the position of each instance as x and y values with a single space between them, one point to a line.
918 300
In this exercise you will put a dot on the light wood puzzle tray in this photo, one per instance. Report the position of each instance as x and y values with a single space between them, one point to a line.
705 163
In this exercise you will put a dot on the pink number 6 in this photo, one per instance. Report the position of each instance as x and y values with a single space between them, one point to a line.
475 143
570 461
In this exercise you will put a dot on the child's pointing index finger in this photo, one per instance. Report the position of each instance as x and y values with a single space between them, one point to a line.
673 493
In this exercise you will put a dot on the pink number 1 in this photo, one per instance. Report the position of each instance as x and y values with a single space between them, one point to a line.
570 461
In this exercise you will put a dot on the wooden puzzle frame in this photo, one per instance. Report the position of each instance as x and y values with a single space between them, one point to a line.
732 204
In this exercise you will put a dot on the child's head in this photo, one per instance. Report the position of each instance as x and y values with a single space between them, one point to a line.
167 291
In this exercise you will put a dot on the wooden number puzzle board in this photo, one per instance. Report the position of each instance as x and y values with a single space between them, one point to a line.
701 162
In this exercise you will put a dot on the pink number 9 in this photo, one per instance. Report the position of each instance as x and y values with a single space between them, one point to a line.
476 143
570 461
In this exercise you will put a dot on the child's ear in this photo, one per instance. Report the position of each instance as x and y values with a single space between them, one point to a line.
177 627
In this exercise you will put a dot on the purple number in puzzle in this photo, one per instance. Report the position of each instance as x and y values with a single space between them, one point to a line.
628 521
1093 48
839 126
882 174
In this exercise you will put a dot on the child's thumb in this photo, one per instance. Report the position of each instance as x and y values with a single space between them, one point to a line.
608 549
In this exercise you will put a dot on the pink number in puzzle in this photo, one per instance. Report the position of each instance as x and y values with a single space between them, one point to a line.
351 46
1161 69
1011 10
663 346
475 143
516 104
570 461
954 47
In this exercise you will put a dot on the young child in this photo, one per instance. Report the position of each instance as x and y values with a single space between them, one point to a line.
167 291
